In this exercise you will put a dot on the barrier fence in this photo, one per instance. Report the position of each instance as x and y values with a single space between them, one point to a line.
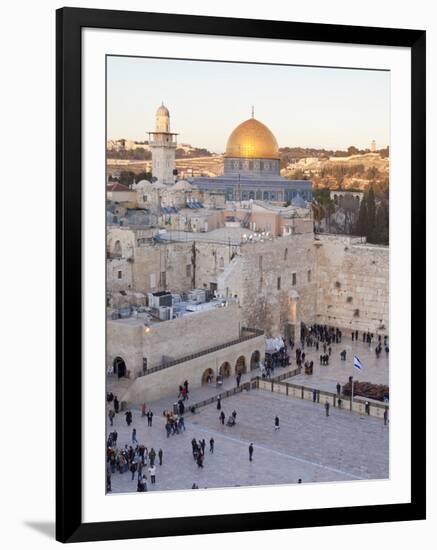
253 333
373 408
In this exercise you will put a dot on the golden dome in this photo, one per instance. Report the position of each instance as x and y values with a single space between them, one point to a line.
252 139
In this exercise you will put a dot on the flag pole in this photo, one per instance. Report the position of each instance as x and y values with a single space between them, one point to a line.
352 391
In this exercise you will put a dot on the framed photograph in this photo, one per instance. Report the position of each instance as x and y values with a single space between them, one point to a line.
240 275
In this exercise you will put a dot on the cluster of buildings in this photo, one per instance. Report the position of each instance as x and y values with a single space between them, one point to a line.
200 272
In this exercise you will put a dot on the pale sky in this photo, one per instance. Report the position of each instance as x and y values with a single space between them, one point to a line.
302 106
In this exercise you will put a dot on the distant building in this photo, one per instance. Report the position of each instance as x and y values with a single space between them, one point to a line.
373 146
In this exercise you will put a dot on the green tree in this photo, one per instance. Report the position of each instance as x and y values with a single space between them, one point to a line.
381 225
362 226
371 214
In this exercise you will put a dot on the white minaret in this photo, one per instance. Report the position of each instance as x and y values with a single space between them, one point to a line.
162 143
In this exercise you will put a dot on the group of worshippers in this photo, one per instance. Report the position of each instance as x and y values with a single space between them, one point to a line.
198 449
174 424
131 458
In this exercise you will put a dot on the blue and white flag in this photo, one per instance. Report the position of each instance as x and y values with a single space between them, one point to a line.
357 363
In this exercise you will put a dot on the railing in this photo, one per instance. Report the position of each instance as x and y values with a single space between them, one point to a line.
358 404
254 334
253 383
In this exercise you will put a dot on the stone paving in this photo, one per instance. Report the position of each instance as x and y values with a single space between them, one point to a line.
344 446
326 378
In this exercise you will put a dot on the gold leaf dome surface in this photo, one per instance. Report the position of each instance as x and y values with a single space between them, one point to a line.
252 139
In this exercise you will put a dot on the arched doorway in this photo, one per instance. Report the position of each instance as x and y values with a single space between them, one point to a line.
207 376
225 370
119 367
255 360
240 365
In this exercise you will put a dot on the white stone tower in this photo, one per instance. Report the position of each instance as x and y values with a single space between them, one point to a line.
162 144
373 146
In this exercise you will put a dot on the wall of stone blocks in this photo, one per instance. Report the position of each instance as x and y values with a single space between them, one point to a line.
173 339
262 277
353 284
166 381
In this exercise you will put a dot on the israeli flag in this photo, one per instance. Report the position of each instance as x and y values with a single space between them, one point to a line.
357 363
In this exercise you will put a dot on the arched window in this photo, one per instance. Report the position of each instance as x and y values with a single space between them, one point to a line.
221 264
117 249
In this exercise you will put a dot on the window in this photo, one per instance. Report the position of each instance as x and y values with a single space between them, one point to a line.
293 279
309 275
278 284
120 274
188 270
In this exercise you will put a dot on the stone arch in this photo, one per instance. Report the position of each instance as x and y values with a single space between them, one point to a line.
240 365
225 369
255 360
119 367
207 376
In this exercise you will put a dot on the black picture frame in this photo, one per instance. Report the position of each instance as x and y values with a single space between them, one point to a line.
70 22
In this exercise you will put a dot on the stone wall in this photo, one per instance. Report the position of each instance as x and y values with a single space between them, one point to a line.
166 381
166 340
275 282
352 284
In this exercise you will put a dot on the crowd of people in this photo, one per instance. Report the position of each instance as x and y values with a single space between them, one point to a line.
138 460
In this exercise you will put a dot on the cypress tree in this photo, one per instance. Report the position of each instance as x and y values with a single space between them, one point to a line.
371 215
362 223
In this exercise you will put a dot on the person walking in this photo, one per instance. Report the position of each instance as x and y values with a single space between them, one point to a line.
134 437
133 468
238 379
111 415
128 415
222 418
160 455
143 410
276 423
116 404
251 452
152 472
211 445
152 456
149 418
338 388
314 396
219 403
327 408
385 417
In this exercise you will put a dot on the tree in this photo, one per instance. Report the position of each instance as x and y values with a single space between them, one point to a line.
362 226
381 225
371 214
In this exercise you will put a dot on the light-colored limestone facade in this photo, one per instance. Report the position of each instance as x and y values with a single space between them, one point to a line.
190 348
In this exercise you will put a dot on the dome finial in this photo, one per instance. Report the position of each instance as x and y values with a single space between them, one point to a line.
253 111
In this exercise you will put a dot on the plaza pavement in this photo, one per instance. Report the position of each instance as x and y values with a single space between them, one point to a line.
344 446
338 371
